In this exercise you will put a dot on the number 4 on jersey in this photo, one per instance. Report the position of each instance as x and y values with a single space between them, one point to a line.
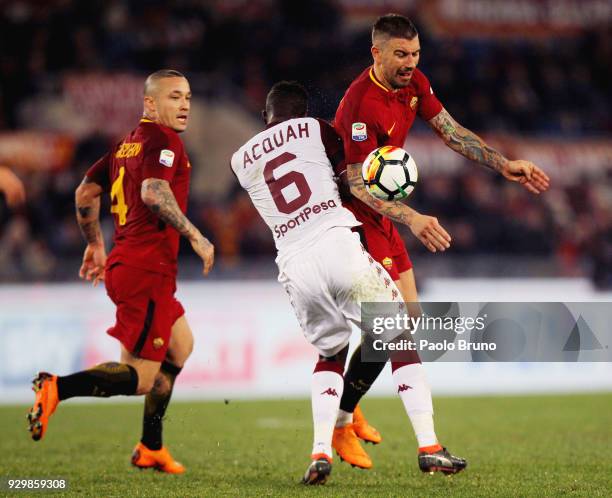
120 208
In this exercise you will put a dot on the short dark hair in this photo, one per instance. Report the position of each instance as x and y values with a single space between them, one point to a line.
394 26
287 99
158 75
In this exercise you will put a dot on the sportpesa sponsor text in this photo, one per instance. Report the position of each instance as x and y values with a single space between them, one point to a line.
303 216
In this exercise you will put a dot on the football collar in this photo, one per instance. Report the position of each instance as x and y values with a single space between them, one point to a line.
376 81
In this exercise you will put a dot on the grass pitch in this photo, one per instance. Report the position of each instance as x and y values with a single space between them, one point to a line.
516 446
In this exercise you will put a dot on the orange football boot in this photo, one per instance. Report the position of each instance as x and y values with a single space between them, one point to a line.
364 430
348 447
45 403
144 458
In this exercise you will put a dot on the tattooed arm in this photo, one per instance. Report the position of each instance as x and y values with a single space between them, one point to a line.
158 197
466 143
425 228
87 200
470 145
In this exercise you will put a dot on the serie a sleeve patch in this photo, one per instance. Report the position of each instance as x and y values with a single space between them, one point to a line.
166 157
359 132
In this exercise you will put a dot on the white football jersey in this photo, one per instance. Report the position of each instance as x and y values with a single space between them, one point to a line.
290 179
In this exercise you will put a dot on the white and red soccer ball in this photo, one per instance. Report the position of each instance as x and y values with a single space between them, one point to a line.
389 173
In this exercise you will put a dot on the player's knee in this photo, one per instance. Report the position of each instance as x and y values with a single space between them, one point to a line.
144 387
339 358
146 382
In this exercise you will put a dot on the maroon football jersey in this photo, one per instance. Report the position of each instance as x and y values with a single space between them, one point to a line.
370 116
141 239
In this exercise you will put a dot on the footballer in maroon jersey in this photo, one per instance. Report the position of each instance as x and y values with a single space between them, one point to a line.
370 116
143 244
152 150
146 176
379 109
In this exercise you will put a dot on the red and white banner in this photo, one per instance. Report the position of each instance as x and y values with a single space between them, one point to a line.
518 18
490 18
36 151
108 104
248 343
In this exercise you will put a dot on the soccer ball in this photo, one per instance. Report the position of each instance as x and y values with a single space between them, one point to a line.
389 173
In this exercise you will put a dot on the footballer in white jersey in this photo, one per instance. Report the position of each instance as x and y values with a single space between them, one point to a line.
288 171
290 179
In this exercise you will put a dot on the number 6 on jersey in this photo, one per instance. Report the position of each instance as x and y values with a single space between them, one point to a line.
276 185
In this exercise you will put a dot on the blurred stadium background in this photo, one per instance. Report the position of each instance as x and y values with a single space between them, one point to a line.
533 76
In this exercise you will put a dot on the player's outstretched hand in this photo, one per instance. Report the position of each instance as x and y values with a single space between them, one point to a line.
528 175
203 248
12 187
430 232
94 261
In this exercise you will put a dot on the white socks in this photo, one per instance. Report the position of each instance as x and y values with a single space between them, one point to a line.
414 390
344 418
326 392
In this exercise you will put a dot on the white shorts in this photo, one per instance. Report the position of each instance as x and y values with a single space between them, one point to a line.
328 281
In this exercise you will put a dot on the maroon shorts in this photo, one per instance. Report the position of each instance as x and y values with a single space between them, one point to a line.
146 310
386 246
